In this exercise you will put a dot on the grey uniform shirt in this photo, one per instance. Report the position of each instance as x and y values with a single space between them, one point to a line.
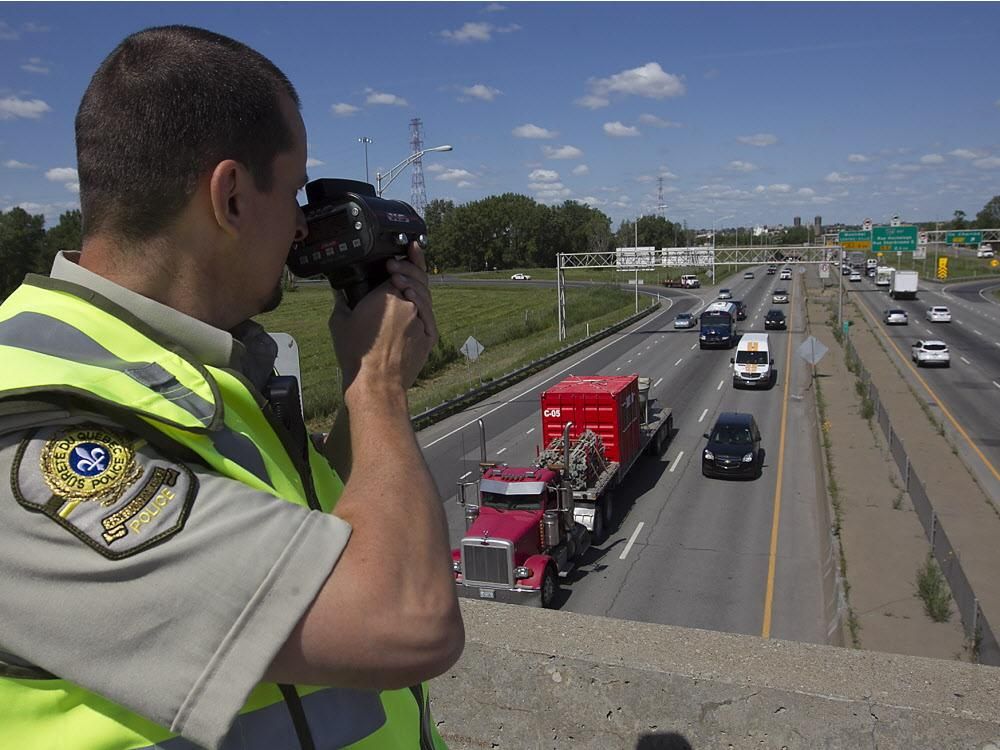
179 631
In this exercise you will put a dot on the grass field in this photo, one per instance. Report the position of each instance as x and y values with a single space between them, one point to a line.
516 325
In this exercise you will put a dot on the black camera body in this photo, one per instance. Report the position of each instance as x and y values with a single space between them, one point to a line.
352 233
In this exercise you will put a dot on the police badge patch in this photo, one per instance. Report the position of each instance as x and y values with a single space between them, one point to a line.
101 486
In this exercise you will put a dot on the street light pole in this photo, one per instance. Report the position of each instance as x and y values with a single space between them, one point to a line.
636 260
383 181
366 140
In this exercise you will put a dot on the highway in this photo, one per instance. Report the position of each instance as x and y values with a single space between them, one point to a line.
969 390
684 550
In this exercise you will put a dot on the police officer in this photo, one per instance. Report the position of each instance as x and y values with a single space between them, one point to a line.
178 563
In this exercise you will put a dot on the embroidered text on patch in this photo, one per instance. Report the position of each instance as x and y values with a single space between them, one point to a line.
89 463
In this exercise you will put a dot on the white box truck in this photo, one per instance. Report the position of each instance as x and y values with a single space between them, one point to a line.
903 284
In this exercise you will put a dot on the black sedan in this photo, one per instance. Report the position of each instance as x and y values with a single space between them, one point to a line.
733 448
775 319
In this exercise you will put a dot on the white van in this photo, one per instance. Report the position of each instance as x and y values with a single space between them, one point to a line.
752 365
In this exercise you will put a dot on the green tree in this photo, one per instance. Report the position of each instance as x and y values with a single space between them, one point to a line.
989 217
959 221
66 235
21 241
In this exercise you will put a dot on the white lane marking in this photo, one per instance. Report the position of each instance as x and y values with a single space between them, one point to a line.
965 360
631 541
678 361
629 362
657 382
676 461
618 369
469 472
719 386
997 343
571 366
501 451
996 384
530 431
703 415
638 354
978 332
928 331
694 345
647 348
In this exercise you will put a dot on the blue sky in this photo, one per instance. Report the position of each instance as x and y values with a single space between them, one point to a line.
758 112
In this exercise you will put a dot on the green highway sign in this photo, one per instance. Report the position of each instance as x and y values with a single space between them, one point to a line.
855 240
898 239
971 237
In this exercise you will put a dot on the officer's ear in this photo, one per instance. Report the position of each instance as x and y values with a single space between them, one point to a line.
228 188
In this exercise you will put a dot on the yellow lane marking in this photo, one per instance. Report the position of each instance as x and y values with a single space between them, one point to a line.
933 395
773 555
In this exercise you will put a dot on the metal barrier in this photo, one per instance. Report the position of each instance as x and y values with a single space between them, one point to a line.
973 621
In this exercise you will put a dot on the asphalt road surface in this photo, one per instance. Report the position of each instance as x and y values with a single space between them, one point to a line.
734 556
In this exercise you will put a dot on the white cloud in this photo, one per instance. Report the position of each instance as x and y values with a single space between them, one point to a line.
781 187
964 153
73 187
476 31
312 162
742 166
435 167
62 174
644 178
837 178
758 139
343 110
658 122
581 170
543 175
51 211
455 175
532 131
33 27
30 109
904 168
806 192
619 130
481 91
7 32
649 80
546 185
380 97
592 101
592 201
931 159
15 164
463 184
992 162
36 65
494 8
562 152
857 158
552 193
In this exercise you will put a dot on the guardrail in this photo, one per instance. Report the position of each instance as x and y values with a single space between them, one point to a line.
429 416
977 628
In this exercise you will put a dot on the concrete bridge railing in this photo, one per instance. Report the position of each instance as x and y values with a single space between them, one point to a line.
551 680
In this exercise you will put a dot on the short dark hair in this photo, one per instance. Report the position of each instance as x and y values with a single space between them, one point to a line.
166 105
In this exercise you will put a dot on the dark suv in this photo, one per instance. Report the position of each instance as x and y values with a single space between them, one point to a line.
733 448
741 309
775 319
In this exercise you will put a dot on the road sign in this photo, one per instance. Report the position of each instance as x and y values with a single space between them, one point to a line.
994 263
846 327
472 349
855 240
942 269
635 258
970 237
812 350
899 239
824 270
920 253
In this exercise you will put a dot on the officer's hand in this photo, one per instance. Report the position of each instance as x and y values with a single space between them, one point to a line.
410 278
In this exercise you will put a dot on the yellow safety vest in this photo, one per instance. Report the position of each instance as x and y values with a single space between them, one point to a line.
61 340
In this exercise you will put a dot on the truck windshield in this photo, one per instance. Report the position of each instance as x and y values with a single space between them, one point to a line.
716 319
511 502
751 358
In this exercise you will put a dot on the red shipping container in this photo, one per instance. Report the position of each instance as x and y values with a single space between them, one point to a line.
607 405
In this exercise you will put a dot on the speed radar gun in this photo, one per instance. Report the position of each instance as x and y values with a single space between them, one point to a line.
352 233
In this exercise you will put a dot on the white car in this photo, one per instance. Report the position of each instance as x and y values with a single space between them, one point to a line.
896 318
855 276
931 352
785 275
520 277
780 296
725 294
985 251
748 275
938 314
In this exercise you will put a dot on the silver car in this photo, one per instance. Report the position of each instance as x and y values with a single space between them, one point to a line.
684 320
931 352
896 317
725 294
780 296
938 314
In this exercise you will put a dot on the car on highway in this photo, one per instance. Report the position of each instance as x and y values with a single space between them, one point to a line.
733 448
855 276
748 274
984 251
786 274
938 314
931 352
725 294
771 270
741 309
520 277
895 317
775 319
846 270
779 296
684 320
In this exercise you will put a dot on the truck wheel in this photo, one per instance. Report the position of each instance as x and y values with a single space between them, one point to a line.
609 510
597 535
550 587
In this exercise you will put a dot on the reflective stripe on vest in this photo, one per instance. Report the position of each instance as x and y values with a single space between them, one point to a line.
54 342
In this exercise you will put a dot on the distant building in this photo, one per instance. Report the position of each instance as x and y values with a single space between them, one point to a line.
797 222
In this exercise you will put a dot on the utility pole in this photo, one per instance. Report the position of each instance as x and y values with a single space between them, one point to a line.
366 140
418 192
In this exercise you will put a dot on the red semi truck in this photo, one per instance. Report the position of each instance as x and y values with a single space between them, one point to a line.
527 526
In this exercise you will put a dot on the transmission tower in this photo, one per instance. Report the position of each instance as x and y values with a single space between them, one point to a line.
418 192
660 205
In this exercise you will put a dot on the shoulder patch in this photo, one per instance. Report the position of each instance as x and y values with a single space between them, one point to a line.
103 487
